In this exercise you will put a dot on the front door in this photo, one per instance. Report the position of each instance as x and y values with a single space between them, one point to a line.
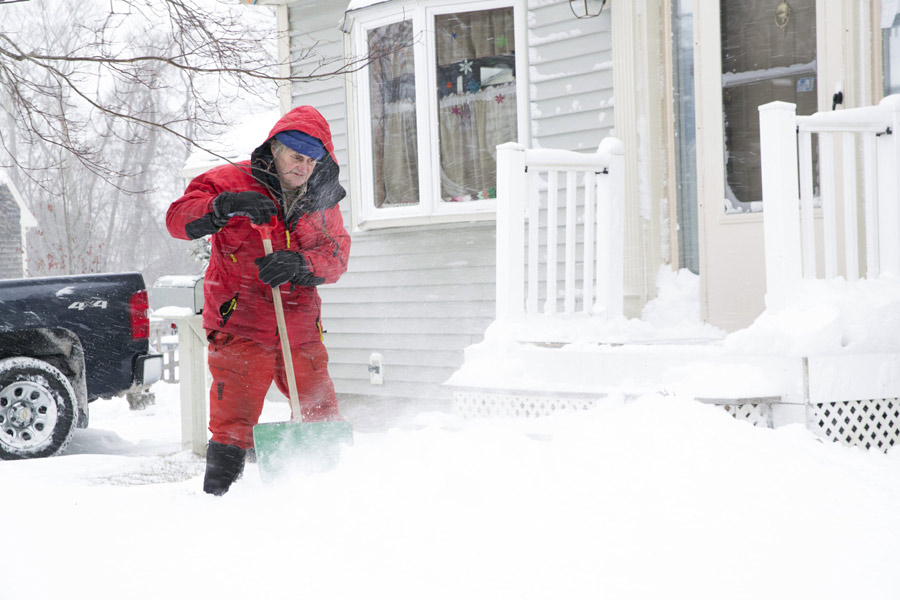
746 53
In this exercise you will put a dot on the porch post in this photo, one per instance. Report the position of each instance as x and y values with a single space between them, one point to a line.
781 213
888 149
511 199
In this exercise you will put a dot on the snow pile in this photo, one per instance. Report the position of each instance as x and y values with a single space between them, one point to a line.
645 499
679 351
829 317
673 317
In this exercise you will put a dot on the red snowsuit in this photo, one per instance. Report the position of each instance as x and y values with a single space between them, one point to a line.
238 312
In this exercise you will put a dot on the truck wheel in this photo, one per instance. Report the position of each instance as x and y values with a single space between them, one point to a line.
37 409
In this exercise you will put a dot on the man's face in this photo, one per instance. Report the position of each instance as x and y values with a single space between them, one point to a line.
293 168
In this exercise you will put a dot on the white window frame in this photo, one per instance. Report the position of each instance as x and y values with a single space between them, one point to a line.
430 209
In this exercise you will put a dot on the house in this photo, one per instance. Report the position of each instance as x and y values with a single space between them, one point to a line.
15 219
433 86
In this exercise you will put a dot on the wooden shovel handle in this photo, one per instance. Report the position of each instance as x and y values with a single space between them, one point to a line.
285 344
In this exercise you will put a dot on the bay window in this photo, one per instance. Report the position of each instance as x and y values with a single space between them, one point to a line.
442 91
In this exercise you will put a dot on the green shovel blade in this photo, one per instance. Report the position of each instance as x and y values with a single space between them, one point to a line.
308 447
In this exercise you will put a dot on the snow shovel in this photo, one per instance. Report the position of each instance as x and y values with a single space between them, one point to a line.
296 445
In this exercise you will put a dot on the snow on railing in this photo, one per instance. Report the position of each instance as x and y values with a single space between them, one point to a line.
787 169
598 180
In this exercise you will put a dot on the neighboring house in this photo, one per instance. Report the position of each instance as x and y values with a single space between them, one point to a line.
679 82
15 219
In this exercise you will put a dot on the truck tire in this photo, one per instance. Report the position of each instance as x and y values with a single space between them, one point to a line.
37 409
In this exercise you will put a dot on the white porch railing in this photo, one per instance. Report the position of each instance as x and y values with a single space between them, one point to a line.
593 216
869 186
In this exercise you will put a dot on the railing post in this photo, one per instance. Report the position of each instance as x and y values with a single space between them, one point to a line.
511 198
616 292
807 206
781 214
611 229
870 193
888 149
829 203
851 232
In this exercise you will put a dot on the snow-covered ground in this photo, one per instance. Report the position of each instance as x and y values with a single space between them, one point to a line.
652 498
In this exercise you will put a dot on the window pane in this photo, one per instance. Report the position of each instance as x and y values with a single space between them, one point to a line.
768 54
891 55
392 88
685 135
476 75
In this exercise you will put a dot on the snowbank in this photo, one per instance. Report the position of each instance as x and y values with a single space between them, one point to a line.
645 499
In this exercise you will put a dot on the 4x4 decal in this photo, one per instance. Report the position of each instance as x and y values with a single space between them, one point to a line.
88 304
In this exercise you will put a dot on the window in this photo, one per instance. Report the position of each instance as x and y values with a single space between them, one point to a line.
890 38
767 55
441 94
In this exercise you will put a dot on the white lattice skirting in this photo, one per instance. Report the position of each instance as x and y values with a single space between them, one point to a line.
758 414
471 404
863 423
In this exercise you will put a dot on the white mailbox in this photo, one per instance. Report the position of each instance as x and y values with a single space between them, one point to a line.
178 290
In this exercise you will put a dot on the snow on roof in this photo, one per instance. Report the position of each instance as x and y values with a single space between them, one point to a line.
28 219
356 4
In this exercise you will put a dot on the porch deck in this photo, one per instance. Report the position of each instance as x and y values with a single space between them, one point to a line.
825 353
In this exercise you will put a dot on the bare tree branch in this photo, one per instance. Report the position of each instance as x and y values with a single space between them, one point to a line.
102 101
218 54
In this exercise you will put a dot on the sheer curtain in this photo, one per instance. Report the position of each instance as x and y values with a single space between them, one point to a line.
471 127
477 99
393 105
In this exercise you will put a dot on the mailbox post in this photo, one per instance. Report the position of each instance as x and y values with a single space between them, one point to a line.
179 298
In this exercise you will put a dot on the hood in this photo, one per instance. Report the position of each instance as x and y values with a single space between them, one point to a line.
308 120
323 188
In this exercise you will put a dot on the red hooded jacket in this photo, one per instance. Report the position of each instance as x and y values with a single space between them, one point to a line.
235 300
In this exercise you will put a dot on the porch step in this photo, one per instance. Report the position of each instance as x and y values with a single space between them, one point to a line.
699 370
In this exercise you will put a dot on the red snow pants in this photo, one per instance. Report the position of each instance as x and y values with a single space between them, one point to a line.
242 372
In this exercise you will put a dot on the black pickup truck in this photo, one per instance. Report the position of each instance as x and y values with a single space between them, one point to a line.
64 342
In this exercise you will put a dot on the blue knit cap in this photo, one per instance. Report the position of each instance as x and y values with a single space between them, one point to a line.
303 143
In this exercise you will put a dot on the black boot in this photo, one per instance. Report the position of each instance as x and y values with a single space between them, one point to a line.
224 465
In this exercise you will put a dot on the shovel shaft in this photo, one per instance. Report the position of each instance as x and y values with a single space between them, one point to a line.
285 343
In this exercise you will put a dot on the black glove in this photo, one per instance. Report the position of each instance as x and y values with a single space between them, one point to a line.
283 266
258 207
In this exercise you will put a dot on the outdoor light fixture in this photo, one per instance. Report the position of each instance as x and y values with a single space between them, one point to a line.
585 9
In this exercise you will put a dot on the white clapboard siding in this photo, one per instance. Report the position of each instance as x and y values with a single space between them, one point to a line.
420 295
570 77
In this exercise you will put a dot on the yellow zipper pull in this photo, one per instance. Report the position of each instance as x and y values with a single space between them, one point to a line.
287 235
233 258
